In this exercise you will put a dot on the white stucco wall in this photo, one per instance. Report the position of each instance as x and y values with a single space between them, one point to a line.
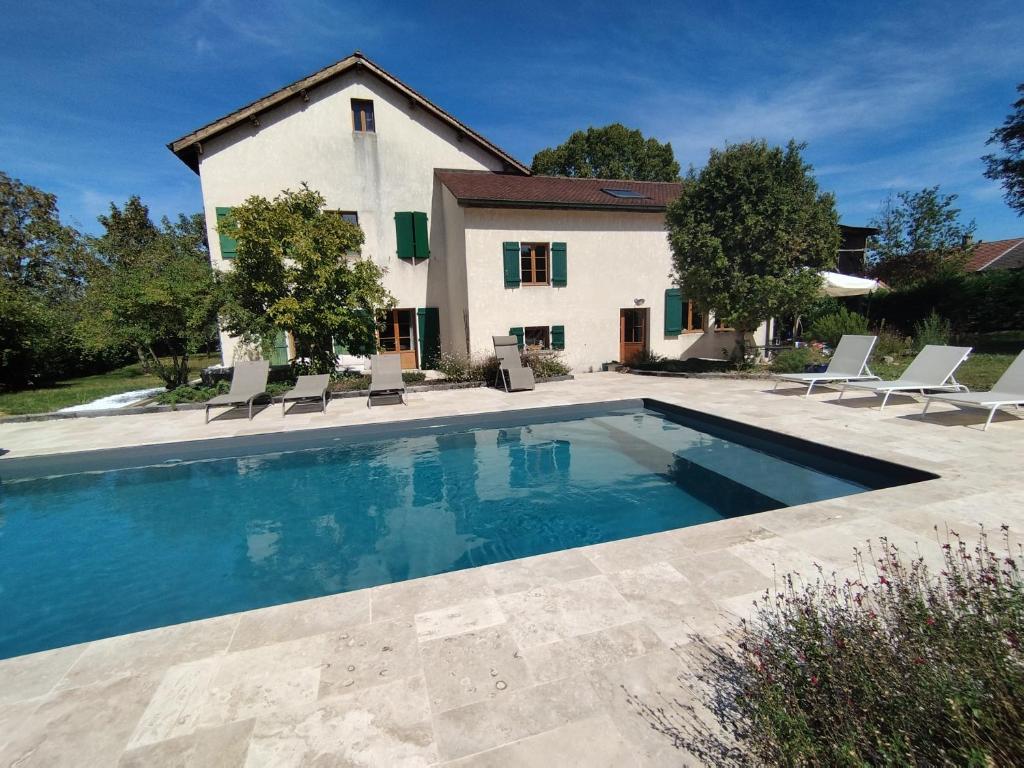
613 258
374 174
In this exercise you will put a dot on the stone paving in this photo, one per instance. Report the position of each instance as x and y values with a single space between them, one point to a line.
528 662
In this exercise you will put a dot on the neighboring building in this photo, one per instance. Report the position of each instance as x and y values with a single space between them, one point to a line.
473 245
997 254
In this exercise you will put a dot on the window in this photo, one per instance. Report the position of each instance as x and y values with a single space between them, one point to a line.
533 262
350 216
693 318
536 337
625 194
362 116
721 326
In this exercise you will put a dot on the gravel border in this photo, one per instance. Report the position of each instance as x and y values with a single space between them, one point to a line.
143 409
696 375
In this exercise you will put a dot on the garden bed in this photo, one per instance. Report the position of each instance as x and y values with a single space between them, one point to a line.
440 384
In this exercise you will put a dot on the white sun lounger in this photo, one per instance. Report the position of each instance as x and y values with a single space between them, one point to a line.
849 363
248 383
1009 390
933 368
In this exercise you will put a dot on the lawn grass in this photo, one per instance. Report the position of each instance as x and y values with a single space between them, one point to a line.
87 388
979 372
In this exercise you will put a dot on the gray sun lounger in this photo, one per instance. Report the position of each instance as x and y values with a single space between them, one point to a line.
308 388
512 374
933 368
1009 390
849 363
248 383
386 382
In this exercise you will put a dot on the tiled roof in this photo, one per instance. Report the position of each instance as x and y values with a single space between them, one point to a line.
188 147
484 188
987 253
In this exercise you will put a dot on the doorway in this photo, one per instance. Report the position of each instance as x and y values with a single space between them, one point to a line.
397 336
632 335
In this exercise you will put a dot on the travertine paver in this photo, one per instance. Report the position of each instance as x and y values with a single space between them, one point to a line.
530 662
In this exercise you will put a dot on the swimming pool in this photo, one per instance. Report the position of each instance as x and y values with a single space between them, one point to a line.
107 542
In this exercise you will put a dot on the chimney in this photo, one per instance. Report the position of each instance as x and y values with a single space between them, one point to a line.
967 241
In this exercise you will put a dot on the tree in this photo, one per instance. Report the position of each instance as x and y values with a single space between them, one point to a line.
750 233
611 152
1008 167
298 270
920 237
41 280
152 288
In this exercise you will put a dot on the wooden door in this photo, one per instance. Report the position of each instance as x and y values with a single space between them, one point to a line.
632 335
397 336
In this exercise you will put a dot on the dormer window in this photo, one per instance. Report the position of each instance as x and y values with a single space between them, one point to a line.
624 194
362 116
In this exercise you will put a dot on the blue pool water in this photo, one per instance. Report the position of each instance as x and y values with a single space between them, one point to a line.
93 554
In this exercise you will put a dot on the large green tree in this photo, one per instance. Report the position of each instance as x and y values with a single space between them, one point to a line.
920 237
298 270
611 152
1008 167
750 233
152 287
41 280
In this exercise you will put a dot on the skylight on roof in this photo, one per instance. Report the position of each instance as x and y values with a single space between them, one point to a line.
624 193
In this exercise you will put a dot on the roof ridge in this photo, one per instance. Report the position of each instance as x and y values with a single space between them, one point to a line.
183 144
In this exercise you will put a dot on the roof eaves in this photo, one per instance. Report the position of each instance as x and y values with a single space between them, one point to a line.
1019 243
188 146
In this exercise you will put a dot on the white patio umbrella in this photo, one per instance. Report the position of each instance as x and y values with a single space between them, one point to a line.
836 284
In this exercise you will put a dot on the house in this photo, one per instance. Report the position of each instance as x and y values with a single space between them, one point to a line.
997 254
473 245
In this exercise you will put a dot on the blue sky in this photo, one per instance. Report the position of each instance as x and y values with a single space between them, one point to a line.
889 96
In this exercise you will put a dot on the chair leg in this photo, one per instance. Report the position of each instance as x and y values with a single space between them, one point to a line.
250 410
927 403
809 388
207 414
988 421
885 400
841 393
282 407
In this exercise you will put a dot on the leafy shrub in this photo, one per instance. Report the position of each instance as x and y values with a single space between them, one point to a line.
825 305
896 667
795 360
689 365
545 364
831 328
932 330
454 367
891 343
200 394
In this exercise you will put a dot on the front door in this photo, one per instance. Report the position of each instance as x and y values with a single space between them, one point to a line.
632 335
397 336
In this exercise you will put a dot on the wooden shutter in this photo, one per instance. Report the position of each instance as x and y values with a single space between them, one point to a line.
673 312
520 335
558 337
421 239
430 336
511 251
280 353
228 245
404 235
558 264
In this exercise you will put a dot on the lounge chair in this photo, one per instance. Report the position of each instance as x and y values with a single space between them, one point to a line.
308 388
849 363
933 368
248 383
514 376
1009 390
386 380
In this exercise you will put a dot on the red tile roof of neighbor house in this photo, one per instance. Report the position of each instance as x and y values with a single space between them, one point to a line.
998 254
483 188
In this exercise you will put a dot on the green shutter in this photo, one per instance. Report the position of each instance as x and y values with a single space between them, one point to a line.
430 336
228 245
520 335
420 236
559 271
280 353
511 251
404 234
558 337
673 312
